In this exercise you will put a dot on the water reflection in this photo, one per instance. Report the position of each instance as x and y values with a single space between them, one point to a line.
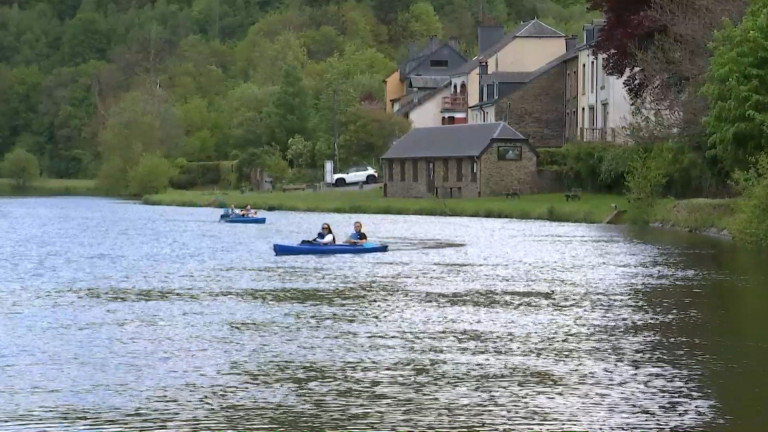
126 317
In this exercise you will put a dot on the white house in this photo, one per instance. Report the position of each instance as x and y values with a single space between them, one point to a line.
605 108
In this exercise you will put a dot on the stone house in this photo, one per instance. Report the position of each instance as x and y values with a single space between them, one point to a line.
456 161
537 108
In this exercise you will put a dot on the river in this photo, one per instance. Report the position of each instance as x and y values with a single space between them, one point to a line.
116 316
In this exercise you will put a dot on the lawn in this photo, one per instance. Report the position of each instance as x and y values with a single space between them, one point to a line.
592 208
49 187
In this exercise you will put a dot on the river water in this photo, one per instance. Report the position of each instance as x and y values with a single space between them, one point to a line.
116 316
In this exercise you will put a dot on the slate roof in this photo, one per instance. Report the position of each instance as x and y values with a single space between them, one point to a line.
529 29
506 77
523 77
465 140
428 81
413 100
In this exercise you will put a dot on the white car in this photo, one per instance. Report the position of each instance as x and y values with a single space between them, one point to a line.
356 174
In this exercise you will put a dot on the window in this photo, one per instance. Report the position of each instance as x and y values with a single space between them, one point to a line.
510 153
583 119
402 170
473 173
567 123
568 84
459 170
445 170
605 115
390 170
575 122
592 78
438 63
584 78
592 123
415 167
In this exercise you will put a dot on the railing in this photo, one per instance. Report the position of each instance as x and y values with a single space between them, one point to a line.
455 103
597 134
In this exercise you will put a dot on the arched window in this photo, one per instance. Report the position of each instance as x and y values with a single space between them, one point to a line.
463 90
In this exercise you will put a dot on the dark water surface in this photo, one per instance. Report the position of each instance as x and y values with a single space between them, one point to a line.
120 317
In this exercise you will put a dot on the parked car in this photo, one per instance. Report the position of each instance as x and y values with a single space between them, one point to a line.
356 174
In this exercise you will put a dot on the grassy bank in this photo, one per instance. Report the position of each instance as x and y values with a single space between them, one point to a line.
49 187
709 216
593 208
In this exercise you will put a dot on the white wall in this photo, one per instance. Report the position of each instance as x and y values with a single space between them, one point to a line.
601 89
428 114
476 115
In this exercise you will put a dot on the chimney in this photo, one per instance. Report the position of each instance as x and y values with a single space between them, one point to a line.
483 66
570 43
453 42
487 36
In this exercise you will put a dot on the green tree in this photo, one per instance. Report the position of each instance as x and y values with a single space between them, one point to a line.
289 113
21 166
141 123
737 90
419 23
368 133
150 176
86 37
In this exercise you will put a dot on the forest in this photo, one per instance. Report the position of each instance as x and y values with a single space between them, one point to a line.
121 90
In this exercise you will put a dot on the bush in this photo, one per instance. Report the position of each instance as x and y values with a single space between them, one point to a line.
750 224
21 166
594 167
182 181
151 176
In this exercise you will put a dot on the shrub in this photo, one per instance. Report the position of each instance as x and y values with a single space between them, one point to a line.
182 181
750 224
21 166
150 176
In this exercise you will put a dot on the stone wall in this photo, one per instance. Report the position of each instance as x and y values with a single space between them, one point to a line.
451 188
408 188
537 110
500 176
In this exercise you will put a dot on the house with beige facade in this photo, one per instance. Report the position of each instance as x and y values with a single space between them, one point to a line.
456 161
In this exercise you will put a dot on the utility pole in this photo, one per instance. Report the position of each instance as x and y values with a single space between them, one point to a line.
335 132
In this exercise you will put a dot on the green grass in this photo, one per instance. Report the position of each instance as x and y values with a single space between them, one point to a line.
49 187
697 214
593 208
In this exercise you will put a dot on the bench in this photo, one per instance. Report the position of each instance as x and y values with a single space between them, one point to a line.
300 187
573 195
512 193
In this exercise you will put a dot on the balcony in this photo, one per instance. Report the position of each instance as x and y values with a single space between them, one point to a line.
455 103
598 135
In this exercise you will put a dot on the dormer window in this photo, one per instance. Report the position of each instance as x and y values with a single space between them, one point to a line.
438 63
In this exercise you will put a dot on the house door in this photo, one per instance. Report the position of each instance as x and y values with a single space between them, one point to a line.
430 177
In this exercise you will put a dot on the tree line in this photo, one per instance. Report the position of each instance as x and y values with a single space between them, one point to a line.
90 87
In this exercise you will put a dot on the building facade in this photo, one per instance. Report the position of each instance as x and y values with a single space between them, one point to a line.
605 109
460 161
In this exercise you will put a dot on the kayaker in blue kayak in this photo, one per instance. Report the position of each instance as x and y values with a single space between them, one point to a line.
358 237
325 236
248 212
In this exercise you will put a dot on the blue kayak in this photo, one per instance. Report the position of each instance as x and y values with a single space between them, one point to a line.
243 220
319 249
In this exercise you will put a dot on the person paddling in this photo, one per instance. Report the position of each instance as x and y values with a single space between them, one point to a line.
358 237
325 236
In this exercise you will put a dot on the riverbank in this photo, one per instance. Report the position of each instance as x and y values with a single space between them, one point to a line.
592 208
698 215
50 187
